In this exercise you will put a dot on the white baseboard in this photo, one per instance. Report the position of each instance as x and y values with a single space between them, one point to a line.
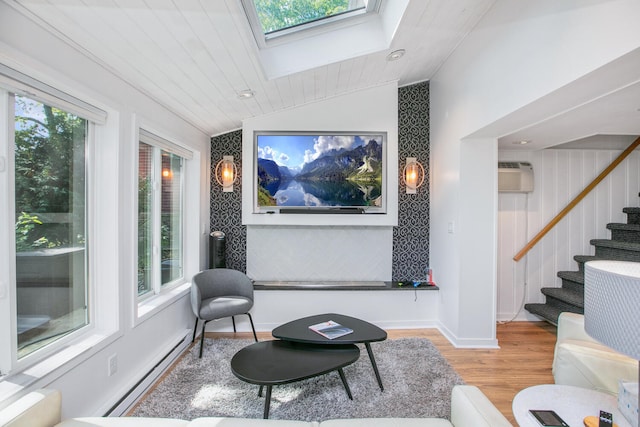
140 388
467 342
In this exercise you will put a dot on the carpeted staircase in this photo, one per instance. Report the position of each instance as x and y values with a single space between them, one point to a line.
624 245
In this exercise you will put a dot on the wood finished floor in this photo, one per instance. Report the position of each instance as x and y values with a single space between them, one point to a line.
523 359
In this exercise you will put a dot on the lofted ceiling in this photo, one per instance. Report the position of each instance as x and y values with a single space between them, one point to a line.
196 56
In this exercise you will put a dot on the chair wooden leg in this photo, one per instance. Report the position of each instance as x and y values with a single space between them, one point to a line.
204 324
233 320
195 328
252 327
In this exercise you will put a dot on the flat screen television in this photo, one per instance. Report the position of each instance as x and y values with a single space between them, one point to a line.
320 172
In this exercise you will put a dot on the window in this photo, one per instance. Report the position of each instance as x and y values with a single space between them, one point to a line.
281 15
274 18
45 243
50 233
160 214
299 35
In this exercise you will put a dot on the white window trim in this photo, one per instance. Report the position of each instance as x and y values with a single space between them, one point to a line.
372 7
43 373
146 306
103 328
158 141
7 230
22 84
155 303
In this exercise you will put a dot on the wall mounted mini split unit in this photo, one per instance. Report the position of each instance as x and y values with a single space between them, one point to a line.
515 177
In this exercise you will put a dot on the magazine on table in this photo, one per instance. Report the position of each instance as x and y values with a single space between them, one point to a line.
330 329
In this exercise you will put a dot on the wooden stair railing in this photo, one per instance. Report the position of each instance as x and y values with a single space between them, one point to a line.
576 200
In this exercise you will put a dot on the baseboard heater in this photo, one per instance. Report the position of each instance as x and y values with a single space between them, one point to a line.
145 383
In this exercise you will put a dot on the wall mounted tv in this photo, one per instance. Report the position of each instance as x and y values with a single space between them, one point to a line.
320 172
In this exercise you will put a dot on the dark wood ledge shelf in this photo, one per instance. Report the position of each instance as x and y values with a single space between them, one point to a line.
341 286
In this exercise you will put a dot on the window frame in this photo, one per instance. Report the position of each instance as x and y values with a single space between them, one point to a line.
10 364
296 32
7 235
159 291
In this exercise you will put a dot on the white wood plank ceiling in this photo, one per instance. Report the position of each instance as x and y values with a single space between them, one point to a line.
194 56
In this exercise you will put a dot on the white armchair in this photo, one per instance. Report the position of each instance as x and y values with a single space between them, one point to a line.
582 361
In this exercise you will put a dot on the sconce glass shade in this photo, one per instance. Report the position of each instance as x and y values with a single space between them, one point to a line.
413 175
226 173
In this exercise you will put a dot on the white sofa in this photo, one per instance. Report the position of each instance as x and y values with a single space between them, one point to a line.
469 408
582 361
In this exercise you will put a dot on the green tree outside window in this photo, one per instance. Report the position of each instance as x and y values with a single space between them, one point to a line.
276 15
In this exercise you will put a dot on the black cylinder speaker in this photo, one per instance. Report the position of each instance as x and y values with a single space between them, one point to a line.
217 250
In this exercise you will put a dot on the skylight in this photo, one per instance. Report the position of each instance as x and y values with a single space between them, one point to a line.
298 35
274 18
277 16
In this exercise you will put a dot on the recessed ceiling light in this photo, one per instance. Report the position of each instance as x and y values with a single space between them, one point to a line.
396 54
523 142
246 94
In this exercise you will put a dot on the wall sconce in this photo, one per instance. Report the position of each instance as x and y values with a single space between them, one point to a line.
413 175
226 173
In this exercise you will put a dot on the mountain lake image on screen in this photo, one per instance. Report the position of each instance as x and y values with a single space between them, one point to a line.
330 172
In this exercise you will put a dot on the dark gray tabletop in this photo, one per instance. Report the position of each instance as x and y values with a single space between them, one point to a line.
298 330
281 362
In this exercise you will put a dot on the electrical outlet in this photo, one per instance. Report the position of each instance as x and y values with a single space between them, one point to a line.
112 365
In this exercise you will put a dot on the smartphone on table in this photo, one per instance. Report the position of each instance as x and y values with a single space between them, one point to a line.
548 418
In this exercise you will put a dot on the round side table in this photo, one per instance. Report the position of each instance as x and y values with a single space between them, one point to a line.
571 403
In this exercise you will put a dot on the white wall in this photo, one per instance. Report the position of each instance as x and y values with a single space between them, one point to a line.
325 247
138 343
396 309
517 54
559 176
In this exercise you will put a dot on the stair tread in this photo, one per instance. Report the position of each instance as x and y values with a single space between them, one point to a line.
631 210
623 226
587 258
616 244
574 276
546 312
566 295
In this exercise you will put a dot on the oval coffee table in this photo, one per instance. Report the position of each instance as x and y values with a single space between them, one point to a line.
270 363
363 332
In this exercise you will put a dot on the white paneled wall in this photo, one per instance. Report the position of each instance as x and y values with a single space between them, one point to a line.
560 175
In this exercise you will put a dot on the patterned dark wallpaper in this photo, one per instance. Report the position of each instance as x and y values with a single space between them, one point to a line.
226 208
410 237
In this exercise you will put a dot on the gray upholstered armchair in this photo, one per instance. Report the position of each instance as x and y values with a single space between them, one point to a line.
220 293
